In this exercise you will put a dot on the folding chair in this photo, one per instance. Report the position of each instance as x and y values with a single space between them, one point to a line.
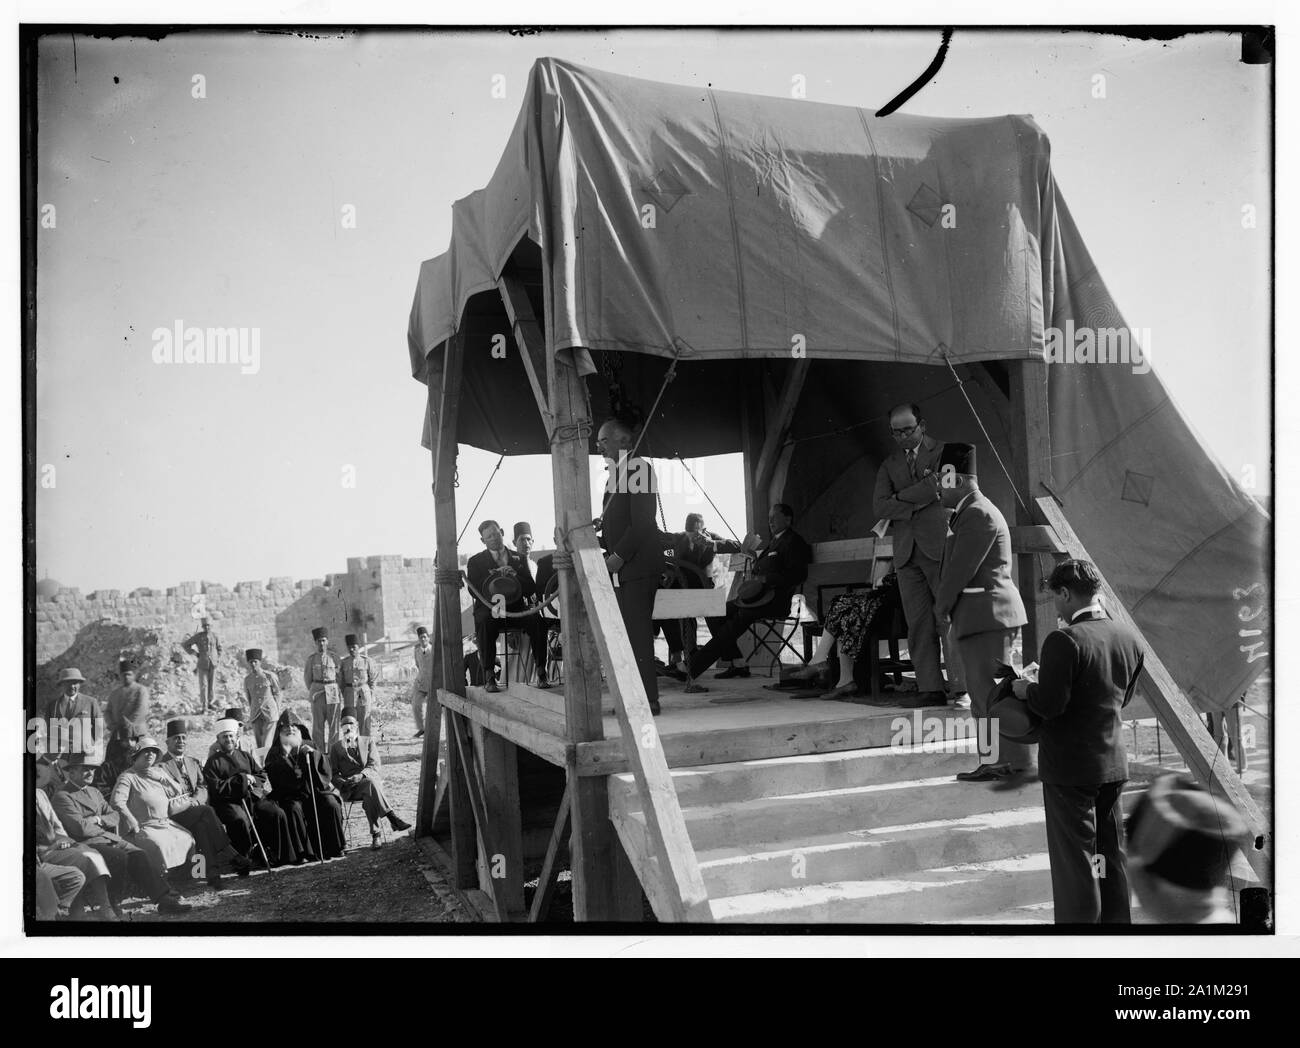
349 808
776 636
521 652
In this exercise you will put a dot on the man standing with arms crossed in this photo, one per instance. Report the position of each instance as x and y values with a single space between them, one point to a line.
907 494
977 596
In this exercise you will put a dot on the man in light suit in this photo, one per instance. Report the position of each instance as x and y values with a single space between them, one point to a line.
1088 670
907 494
354 761
976 594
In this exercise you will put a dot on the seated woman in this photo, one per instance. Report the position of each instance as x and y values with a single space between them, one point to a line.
849 624
301 786
141 797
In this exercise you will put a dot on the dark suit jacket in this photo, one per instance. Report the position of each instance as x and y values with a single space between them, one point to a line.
628 522
919 518
975 587
783 565
1084 674
479 566
343 766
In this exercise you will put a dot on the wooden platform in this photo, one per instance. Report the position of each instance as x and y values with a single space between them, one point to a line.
736 720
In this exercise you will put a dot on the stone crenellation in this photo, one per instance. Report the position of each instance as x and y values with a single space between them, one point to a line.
378 596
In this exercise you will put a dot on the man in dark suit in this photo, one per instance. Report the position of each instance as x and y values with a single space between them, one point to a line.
483 569
976 595
1087 671
354 761
634 548
907 495
781 566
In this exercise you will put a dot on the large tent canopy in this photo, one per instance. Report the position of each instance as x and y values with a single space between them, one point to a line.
910 258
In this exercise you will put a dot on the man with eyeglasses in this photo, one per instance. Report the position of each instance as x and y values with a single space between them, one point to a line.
907 494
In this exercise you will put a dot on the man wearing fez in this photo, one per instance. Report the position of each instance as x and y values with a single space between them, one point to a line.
354 761
524 544
86 817
1087 672
501 576
423 678
907 494
237 790
358 675
262 690
321 675
977 597
634 548
75 724
207 648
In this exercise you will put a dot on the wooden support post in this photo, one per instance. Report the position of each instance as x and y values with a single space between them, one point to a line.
444 378
671 846
462 743
777 430
1173 711
528 337
546 880
751 443
604 885
499 761
1031 468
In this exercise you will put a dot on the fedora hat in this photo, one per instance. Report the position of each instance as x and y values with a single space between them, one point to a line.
753 592
1015 720
506 586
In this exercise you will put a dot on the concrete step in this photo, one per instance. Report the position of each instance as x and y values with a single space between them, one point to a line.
746 780
747 824
882 852
942 895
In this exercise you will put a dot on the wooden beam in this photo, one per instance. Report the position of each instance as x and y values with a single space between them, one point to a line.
1036 538
1173 710
778 428
1031 473
604 887
728 745
664 820
528 337
498 717
465 757
499 761
546 879
541 698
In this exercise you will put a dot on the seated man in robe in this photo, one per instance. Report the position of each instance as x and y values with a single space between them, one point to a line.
354 760
237 790
243 738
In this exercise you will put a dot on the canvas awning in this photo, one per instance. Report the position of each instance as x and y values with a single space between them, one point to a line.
655 221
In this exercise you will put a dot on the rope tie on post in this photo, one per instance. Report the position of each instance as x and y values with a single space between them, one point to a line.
447 577
579 430
562 560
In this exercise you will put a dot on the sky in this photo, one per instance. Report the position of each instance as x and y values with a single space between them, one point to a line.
228 210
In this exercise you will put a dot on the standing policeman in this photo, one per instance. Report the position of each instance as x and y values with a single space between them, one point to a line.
357 674
321 675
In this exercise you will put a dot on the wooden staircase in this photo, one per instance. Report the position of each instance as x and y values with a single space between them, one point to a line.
870 836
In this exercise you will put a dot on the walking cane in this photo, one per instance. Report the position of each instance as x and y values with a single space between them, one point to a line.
256 836
320 841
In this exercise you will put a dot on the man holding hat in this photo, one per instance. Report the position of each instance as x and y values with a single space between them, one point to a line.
73 719
502 577
262 690
87 817
354 760
237 788
1087 672
207 648
358 675
423 678
978 598
321 675
126 712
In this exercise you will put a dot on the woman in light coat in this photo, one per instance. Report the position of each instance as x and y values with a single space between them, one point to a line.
141 796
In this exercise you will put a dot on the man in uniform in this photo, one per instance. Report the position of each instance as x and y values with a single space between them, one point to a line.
74 722
977 597
86 817
633 544
321 675
354 761
207 647
262 690
423 678
358 676
907 494
480 569
126 714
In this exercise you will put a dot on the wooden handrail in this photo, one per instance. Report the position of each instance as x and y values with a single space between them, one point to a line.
686 895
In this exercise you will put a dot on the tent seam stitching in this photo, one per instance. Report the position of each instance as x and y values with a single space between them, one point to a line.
731 208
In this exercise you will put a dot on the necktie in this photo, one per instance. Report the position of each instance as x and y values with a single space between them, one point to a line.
911 462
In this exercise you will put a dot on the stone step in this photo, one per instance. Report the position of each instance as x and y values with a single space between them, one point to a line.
941 895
